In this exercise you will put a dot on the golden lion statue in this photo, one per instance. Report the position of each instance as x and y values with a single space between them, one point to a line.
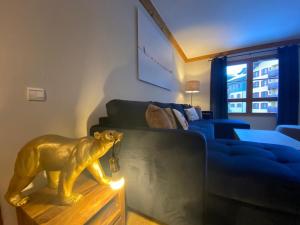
63 159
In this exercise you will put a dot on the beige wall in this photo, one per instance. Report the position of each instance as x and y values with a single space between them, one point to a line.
83 53
199 70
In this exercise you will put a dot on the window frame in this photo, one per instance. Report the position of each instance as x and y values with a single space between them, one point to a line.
249 91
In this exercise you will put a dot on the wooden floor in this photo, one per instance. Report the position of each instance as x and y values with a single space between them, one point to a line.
135 219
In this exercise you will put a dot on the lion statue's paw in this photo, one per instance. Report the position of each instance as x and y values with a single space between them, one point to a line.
73 198
18 200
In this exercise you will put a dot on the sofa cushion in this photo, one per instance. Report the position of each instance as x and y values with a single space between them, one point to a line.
162 105
205 127
199 112
127 114
157 117
182 120
259 174
179 107
191 114
224 127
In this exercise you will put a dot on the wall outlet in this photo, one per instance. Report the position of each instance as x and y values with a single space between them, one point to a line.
36 94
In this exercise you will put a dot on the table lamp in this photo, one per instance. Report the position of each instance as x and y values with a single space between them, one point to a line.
192 86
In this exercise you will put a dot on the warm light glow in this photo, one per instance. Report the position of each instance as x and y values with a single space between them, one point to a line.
192 92
115 185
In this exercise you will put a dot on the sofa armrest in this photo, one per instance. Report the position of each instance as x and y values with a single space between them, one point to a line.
207 115
164 172
292 131
104 121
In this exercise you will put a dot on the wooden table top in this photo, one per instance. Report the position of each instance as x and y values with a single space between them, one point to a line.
41 209
266 136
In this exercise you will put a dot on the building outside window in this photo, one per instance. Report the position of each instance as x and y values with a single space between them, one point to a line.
256 95
256 84
255 105
252 86
256 74
264 105
264 71
264 94
264 83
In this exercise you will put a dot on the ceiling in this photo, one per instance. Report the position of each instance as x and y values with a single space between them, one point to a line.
203 27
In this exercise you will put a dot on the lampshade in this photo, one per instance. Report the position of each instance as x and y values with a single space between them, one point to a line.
192 86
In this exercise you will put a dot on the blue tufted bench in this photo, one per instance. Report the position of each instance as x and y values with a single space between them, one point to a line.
260 175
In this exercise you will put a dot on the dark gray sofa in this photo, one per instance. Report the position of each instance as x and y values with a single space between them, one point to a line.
131 114
244 183
163 177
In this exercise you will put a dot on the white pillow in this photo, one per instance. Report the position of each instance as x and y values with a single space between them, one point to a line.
199 112
181 119
191 114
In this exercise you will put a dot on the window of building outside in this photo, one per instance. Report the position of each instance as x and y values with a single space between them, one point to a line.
256 95
264 82
264 71
264 94
264 105
256 84
252 86
255 105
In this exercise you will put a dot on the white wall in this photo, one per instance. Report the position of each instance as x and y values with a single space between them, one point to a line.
83 53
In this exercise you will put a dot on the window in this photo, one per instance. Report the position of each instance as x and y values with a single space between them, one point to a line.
255 105
264 105
239 107
255 73
264 71
264 83
264 94
256 84
252 86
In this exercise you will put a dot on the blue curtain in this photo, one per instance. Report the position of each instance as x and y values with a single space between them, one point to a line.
218 88
288 96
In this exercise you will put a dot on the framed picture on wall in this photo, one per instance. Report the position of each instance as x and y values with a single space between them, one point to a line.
155 53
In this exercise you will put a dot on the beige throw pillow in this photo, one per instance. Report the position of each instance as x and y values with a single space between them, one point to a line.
171 117
181 119
157 117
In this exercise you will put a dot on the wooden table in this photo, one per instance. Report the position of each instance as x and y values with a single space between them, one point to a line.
1 222
99 205
266 136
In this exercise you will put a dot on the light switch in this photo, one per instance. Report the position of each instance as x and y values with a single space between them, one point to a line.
36 94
